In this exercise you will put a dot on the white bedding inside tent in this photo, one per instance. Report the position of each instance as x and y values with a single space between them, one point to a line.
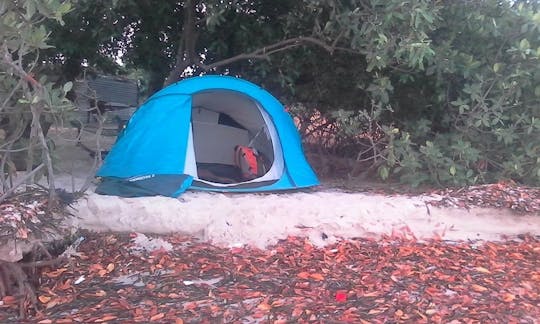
221 120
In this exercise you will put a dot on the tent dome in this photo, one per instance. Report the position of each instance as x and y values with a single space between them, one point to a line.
196 134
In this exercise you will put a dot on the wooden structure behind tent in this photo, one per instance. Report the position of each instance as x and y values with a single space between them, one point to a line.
115 97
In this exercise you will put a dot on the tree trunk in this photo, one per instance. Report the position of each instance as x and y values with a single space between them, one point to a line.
186 53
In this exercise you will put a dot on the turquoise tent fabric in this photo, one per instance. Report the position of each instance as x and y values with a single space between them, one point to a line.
155 140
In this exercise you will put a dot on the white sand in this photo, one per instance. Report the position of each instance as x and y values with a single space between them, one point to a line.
263 219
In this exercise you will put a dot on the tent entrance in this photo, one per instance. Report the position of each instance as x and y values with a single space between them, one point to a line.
222 120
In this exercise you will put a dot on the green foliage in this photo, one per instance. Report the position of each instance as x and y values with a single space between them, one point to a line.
482 108
29 100
456 83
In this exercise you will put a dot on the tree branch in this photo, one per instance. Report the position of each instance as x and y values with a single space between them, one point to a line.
19 70
265 52
36 110
20 182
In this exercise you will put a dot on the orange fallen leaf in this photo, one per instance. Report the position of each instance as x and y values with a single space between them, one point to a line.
156 317
278 303
508 297
190 306
236 250
297 312
100 293
105 318
431 311
376 311
526 285
110 267
65 285
303 275
316 276
371 294
178 321
53 303
8 300
95 267
482 270
44 299
55 273
478 288
264 306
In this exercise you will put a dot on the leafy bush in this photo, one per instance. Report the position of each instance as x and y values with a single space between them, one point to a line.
481 122
455 86
29 101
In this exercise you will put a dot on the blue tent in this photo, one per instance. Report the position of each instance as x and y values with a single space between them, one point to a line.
185 136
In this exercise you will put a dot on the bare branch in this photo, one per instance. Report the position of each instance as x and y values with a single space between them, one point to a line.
266 51
36 109
43 263
20 182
